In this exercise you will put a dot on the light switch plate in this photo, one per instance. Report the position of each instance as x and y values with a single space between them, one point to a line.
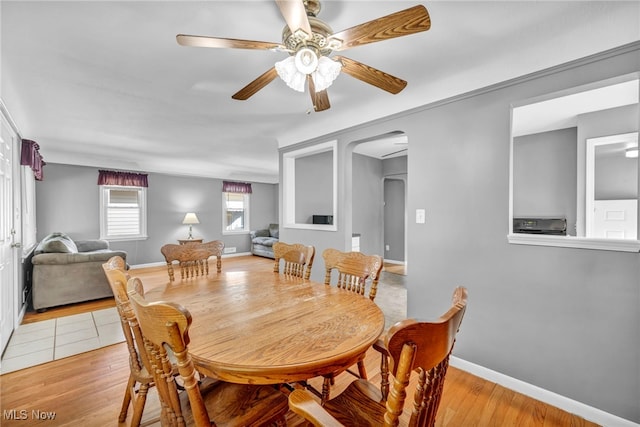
420 216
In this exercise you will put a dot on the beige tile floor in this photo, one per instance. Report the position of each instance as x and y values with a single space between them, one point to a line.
41 342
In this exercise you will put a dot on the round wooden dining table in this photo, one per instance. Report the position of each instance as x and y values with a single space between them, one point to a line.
267 328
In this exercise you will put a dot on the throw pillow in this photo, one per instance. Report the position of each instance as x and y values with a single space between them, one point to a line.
59 243
261 233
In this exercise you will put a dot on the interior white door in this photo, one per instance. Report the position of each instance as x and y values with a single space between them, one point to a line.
7 252
605 217
615 219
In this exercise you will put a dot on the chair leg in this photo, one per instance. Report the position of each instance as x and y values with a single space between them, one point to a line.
138 407
361 370
384 374
127 399
326 386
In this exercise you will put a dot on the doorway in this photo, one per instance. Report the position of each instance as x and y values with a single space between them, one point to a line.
612 187
8 255
394 225
379 171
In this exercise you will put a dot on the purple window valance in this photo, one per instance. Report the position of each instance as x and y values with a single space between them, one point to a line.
128 179
30 156
236 187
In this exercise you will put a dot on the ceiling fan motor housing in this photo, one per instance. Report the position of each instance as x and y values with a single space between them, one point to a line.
319 40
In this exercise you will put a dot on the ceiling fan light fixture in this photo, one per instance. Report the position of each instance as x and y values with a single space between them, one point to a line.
289 73
328 70
306 60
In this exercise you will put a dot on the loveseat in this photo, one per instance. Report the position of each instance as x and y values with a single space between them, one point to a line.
67 271
262 241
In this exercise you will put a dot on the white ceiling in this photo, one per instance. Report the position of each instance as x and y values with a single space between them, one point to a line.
385 146
104 83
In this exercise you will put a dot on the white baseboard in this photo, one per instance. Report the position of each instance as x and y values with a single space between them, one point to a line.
392 261
236 254
151 264
574 407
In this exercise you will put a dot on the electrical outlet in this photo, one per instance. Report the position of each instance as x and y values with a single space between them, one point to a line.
420 216
386 247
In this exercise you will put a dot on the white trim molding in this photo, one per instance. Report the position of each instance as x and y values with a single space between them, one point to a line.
569 405
626 245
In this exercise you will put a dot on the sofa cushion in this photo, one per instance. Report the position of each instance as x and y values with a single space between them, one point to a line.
91 245
58 243
264 241
100 256
274 231
261 233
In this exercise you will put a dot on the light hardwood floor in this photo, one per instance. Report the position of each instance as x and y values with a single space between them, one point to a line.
395 268
87 389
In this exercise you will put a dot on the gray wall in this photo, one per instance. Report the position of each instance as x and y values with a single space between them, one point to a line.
395 166
314 186
615 178
367 203
544 175
563 319
394 219
395 172
68 201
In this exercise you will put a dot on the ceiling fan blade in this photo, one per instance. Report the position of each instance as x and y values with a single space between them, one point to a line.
320 99
253 87
371 75
295 15
403 23
206 41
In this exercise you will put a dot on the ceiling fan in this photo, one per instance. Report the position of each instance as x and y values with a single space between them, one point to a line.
309 42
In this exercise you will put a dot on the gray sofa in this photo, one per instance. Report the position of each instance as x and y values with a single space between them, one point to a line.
262 241
67 271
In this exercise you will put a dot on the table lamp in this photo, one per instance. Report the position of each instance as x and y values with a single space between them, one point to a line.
190 218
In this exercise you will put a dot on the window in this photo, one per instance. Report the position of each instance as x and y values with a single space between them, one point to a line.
123 212
235 213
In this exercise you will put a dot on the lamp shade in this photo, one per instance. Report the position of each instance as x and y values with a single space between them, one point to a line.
190 218
288 72
328 70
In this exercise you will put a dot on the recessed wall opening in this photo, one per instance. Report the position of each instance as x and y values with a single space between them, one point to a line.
379 176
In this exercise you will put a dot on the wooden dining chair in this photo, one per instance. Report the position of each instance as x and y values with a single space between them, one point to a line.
193 258
140 378
356 272
207 404
421 347
297 259
217 249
